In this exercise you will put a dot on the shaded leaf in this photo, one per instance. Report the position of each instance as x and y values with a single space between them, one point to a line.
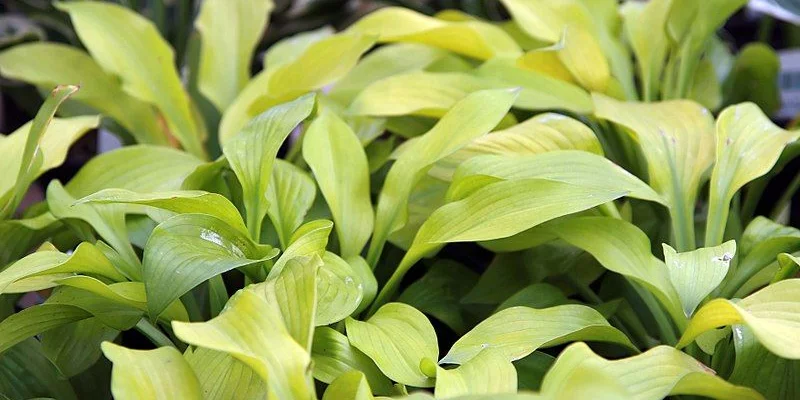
334 356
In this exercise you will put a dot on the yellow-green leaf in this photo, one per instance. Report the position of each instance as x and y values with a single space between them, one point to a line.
310 239
128 45
290 194
399 339
487 373
349 386
160 374
645 30
223 377
472 38
695 274
334 356
772 313
339 163
229 32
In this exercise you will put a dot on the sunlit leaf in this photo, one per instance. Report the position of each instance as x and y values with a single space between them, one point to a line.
340 167
489 372
224 377
310 239
128 45
771 313
229 32
290 194
151 374
400 340
517 331
351 385
695 274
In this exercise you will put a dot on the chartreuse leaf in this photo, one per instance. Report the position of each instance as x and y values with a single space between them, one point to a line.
252 153
644 28
351 385
334 356
180 202
319 65
49 64
188 249
695 274
748 146
20 235
540 134
384 62
35 320
418 93
472 38
471 117
27 373
518 331
495 211
119 315
151 374
229 32
439 292
291 47
538 91
223 377
141 58
310 239
758 368
339 290
772 313
620 247
290 195
242 329
340 167
33 149
141 168
489 372
75 347
789 267
107 219
657 373
575 167
86 259
401 341
545 60
676 138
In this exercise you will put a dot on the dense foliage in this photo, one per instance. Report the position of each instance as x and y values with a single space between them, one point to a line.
584 172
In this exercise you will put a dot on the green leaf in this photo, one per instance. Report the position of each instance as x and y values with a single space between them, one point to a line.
290 195
86 259
241 330
26 373
676 140
537 91
471 117
229 33
386 61
150 374
334 356
754 77
188 249
706 88
790 266
252 152
695 274
108 220
20 235
119 315
532 369
540 134
417 93
537 295
758 368
471 38
748 146
319 65
291 47
771 313
75 347
49 64
439 292
574 167
369 284
224 377
310 239
35 320
141 168
622 248
657 373
180 202
27 161
339 291
489 372
400 340
141 58
518 331
339 163
650 46
351 385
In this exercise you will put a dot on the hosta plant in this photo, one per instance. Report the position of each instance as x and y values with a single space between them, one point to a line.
415 206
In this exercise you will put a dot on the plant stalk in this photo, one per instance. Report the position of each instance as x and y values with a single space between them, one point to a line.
157 337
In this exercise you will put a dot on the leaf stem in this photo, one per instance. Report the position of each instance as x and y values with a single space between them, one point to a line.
665 328
157 337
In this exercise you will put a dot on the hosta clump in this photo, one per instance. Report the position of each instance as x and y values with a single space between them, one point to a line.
294 247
